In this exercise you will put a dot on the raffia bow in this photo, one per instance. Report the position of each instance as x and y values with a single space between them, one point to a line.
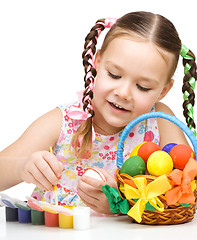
145 193
183 183
116 203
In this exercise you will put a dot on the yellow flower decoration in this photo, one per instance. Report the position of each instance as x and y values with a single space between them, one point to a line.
71 174
145 193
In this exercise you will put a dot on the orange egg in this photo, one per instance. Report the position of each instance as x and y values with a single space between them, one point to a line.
180 155
147 149
135 150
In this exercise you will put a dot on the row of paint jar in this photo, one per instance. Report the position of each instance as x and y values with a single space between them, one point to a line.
80 219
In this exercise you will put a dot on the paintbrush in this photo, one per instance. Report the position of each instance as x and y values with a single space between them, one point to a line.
54 186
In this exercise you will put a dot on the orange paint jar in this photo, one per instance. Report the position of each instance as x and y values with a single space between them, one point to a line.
51 219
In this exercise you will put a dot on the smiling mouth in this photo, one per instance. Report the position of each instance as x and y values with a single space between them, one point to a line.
116 106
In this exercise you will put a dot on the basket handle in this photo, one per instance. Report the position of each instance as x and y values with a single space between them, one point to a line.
145 116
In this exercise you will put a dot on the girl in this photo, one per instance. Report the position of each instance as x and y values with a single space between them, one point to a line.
128 77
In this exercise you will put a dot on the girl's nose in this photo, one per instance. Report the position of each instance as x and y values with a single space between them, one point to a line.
124 91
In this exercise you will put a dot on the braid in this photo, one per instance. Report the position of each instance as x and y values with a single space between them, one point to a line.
189 81
85 129
90 71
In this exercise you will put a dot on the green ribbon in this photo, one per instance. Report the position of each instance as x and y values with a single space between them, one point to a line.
184 51
190 113
194 132
192 83
190 108
186 95
188 57
116 203
185 204
148 206
187 68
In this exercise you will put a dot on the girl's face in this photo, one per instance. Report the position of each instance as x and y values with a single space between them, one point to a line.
131 77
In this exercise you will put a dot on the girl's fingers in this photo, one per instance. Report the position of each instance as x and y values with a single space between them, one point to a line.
85 189
99 205
31 179
87 197
94 183
55 165
41 177
44 173
41 168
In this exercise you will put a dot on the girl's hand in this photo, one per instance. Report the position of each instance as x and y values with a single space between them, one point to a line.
42 169
90 191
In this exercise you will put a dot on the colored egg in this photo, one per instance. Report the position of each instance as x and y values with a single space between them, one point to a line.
180 155
159 163
147 149
135 150
94 173
133 166
167 148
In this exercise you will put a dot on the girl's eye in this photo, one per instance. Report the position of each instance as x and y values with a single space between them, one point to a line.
143 88
113 75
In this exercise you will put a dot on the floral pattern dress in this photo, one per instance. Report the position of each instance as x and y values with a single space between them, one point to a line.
103 155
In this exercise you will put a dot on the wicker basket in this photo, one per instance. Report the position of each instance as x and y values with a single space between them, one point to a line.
173 214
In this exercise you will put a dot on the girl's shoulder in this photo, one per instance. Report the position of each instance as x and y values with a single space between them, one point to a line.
161 107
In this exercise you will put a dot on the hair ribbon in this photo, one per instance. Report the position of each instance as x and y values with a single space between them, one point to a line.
77 113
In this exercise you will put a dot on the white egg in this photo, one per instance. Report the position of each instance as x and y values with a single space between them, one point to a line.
94 173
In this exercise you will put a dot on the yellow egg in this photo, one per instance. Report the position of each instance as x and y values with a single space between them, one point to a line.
135 150
159 163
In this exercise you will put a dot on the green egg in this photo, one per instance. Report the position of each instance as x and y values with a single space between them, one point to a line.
133 166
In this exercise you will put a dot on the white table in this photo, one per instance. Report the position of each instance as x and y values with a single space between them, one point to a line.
102 227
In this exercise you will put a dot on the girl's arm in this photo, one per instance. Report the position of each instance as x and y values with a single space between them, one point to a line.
169 132
28 159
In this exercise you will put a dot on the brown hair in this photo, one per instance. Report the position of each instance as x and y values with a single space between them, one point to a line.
144 25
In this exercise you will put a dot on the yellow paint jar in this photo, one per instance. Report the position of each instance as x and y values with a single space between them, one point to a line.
66 221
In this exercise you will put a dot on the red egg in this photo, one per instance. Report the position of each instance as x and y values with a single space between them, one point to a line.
147 149
180 155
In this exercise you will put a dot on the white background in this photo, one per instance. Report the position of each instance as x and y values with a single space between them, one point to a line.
41 42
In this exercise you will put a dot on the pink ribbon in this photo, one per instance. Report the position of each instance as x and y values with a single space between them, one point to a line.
77 113
109 22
